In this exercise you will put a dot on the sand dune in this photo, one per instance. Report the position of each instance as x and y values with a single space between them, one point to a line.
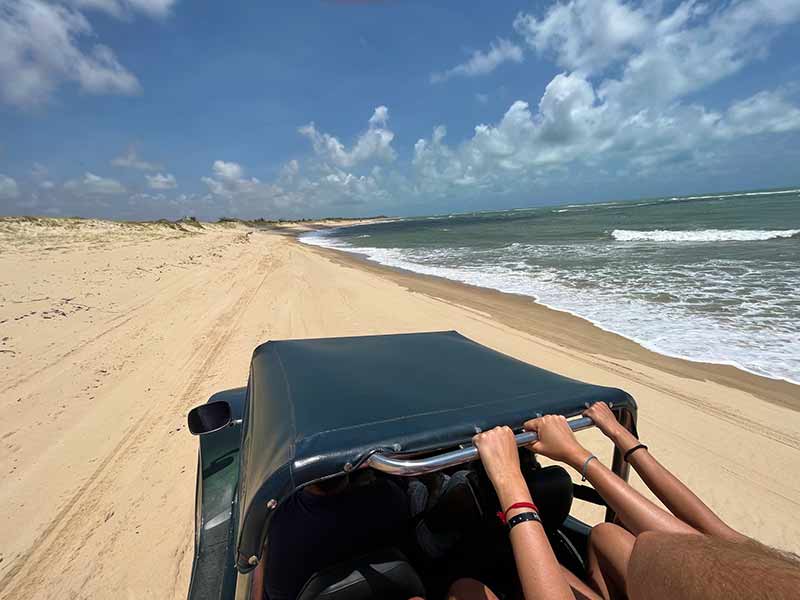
109 333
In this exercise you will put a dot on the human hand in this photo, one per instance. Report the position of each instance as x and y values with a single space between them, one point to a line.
556 440
600 413
500 457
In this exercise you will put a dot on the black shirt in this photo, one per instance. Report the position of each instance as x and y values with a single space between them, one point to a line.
309 532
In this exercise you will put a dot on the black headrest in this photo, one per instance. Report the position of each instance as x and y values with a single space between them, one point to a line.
458 506
382 574
551 490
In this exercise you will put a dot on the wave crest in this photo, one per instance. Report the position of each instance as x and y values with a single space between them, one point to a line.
702 235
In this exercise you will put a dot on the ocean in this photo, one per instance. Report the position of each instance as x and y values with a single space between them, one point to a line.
713 278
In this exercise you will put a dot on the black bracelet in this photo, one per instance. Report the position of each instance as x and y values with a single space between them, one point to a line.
627 455
521 518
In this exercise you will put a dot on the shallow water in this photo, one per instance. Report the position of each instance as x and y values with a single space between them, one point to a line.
710 278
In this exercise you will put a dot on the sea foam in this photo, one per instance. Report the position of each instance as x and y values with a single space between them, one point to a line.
701 338
702 235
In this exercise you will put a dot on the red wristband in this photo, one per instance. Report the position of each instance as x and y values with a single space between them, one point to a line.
502 515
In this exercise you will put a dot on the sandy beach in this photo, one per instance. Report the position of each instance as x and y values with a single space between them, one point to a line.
110 333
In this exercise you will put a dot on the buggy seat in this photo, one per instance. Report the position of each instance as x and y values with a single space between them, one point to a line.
382 574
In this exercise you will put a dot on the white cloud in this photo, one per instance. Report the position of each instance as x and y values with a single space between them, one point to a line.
43 45
571 125
229 182
317 187
289 172
764 112
158 9
483 63
40 173
8 188
94 185
585 34
132 160
375 144
229 171
661 55
338 187
161 182
621 100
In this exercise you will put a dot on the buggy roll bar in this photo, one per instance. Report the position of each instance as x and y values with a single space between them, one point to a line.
396 465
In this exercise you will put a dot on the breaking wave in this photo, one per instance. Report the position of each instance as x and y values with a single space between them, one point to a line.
702 235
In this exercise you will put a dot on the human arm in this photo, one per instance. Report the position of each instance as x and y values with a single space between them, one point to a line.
556 441
708 568
678 498
539 571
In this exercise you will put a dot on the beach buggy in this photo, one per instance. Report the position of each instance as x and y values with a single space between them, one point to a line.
403 407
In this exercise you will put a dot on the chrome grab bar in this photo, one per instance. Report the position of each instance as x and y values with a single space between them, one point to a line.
396 465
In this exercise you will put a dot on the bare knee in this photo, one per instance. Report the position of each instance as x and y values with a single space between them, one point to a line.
607 532
467 588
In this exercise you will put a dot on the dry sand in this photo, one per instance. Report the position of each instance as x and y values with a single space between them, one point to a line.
109 333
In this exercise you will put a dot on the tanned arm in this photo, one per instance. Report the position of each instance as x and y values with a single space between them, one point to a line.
539 571
678 498
708 568
556 441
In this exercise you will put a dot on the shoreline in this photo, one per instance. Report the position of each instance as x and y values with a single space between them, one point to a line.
564 328
110 337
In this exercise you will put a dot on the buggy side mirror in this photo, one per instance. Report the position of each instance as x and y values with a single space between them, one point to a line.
209 417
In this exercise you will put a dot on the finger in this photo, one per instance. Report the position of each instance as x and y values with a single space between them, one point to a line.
533 424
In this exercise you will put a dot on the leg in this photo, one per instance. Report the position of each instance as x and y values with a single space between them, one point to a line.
580 590
610 548
469 589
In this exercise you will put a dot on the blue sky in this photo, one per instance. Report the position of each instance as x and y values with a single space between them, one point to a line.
165 108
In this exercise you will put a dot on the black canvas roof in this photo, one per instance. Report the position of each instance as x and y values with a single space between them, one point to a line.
316 405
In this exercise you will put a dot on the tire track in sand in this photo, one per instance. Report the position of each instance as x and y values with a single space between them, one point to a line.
79 509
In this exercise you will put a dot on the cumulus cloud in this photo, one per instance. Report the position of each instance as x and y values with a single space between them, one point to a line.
335 187
628 68
764 112
131 160
290 170
43 45
228 171
241 195
661 55
374 144
585 34
8 188
94 185
483 63
571 125
316 187
161 181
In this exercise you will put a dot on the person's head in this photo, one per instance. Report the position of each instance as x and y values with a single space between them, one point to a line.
702 567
